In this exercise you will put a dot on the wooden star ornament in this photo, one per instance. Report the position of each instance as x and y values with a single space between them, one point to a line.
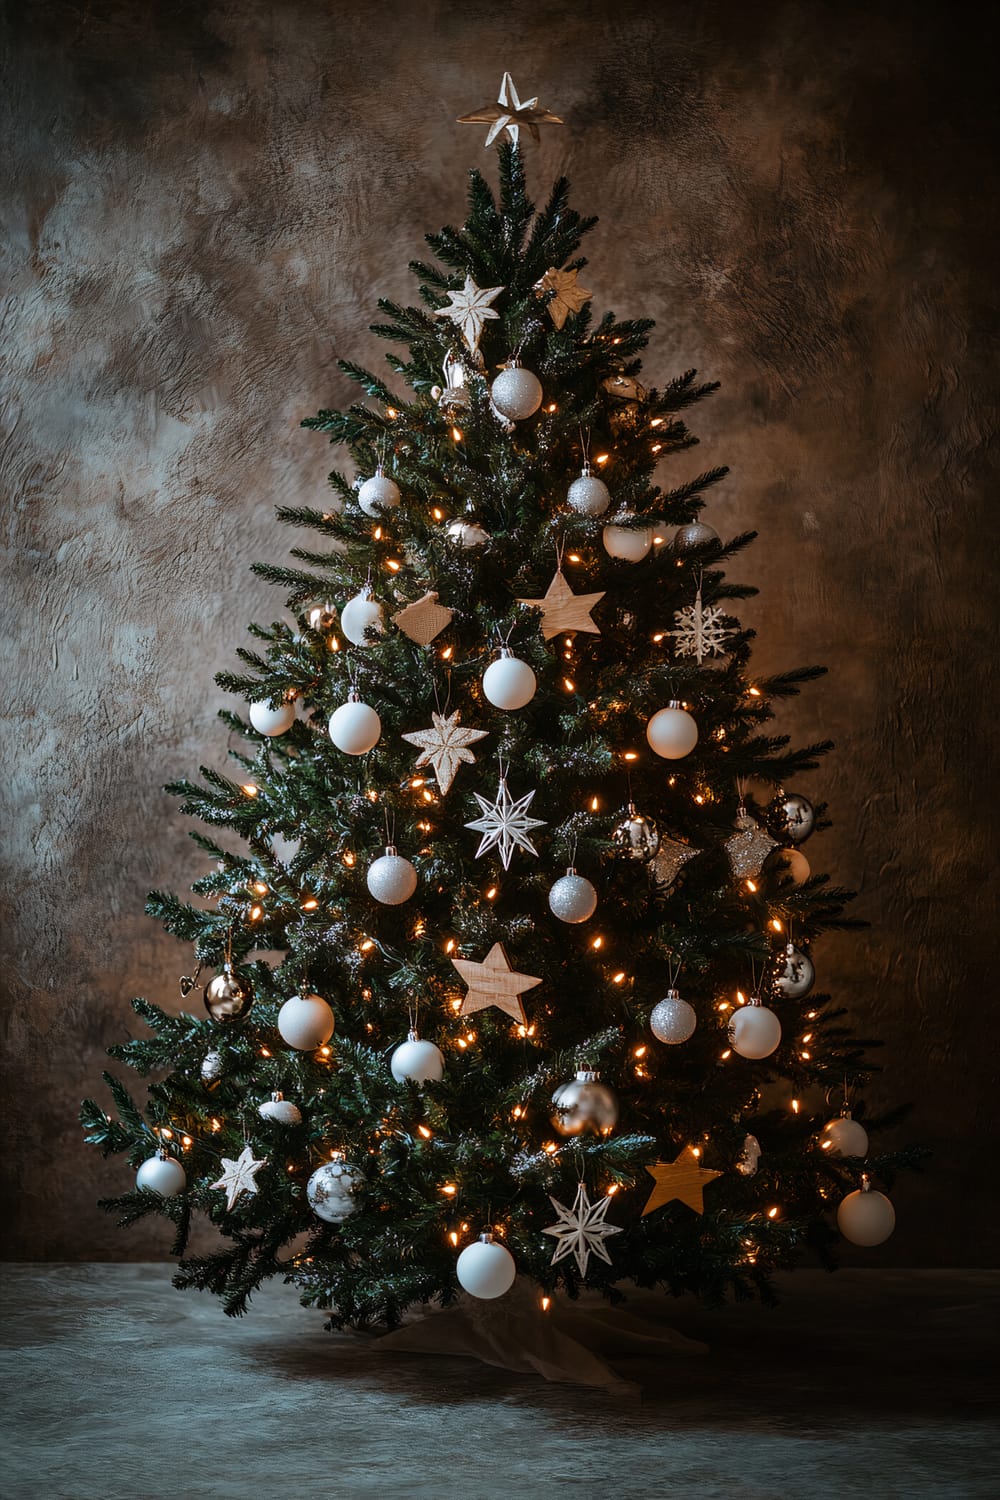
494 982
510 114
684 1179
563 611
239 1176
568 297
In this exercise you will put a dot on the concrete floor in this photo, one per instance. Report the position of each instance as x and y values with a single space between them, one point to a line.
881 1384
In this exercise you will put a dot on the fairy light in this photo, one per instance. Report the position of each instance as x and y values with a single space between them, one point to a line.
264 1052
491 893
456 434
612 1189
573 557
372 794
391 413
656 447
259 887
699 799
449 946
594 804
750 884
618 978
546 1303
422 1130
825 1145
658 637
808 1037
630 755
516 1112
796 1106
417 781
367 945
377 533
256 912
724 1055
551 406
776 925
453 1236
456 1005
310 905
640 1051
811 1015
597 943
348 857
569 684
186 1142
325 1051
772 1213
449 1189
393 565
249 790
437 514
723 1005
602 458
550 1148
695 1150
754 692
166 1132
656 422
806 1056
462 1044
446 653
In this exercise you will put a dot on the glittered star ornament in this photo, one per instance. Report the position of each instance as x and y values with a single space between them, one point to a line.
512 115
505 824
683 1180
581 1230
563 611
568 296
749 847
671 857
470 310
445 746
239 1176
494 982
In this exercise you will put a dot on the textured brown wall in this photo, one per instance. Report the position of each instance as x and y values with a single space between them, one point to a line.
206 201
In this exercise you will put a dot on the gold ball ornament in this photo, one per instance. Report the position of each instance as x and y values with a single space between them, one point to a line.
584 1103
227 997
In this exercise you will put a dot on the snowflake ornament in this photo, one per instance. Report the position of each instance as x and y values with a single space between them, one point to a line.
700 631
505 824
470 310
581 1230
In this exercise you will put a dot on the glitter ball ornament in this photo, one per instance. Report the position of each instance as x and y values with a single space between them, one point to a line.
636 836
572 898
486 1269
673 1020
272 721
378 494
211 1070
796 974
281 1110
845 1137
866 1217
791 816
332 1191
468 533
754 1031
588 494
627 543
516 393
391 879
417 1061
782 865
585 1103
354 727
305 1022
228 998
361 619
692 536
672 732
162 1175
508 682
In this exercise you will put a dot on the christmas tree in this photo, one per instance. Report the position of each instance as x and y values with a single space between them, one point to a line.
509 804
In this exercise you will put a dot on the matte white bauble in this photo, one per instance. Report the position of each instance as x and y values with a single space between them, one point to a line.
866 1217
754 1031
572 898
281 1110
516 393
508 682
627 543
355 728
163 1175
468 534
486 1269
417 1061
271 721
305 1022
846 1137
391 878
673 1020
378 494
332 1191
672 732
360 617
588 494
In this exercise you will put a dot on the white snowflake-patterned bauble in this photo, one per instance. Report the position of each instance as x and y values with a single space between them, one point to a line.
505 824
581 1230
332 1191
700 631
162 1175
486 1269
272 721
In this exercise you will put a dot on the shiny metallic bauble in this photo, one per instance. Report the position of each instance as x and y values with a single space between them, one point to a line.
281 1110
468 533
361 619
744 821
227 997
754 1031
162 1175
588 494
673 1020
866 1217
627 543
332 1191
746 1162
454 395
516 393
212 1067
585 1103
672 732
691 537
572 898
796 975
844 1137
417 1061
791 816
623 389
636 836
783 865
378 494
321 617
391 879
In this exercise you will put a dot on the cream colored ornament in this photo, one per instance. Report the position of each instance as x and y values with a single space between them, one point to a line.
239 1176
444 747
684 1179
470 309
564 612
424 619
511 115
494 982
568 297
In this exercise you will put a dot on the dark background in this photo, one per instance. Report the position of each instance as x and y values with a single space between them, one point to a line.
206 200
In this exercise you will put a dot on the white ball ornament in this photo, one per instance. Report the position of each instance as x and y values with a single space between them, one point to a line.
391 878
417 1061
672 732
378 494
754 1031
627 543
572 898
866 1217
281 1110
845 1137
332 1191
361 617
508 682
486 1269
354 727
272 721
588 494
305 1022
673 1020
162 1175
516 393
468 533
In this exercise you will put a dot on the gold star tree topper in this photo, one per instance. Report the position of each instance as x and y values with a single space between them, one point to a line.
445 746
510 114
563 611
239 1176
683 1179
470 308
494 982
569 296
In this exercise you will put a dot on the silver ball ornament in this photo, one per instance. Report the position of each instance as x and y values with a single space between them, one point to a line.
636 836
162 1175
692 536
516 393
361 619
212 1065
672 732
791 816
486 1269
754 1031
391 879
417 1061
378 494
572 898
866 1217
227 997
468 533
585 1103
588 494
281 1110
845 1137
673 1020
796 974
332 1191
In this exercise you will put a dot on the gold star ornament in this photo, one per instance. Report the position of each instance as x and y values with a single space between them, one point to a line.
563 611
684 1179
494 982
510 114
568 297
